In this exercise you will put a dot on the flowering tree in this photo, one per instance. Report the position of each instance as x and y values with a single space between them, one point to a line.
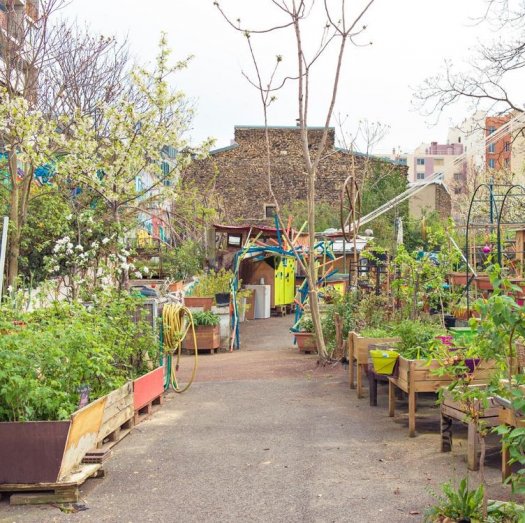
118 156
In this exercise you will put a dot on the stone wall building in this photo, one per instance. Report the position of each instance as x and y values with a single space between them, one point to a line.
239 171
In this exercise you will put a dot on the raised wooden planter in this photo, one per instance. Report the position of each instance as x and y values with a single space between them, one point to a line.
199 301
48 451
417 376
456 410
148 388
208 338
358 347
306 341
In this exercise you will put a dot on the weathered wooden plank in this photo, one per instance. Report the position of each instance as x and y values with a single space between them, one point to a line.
70 495
74 479
115 422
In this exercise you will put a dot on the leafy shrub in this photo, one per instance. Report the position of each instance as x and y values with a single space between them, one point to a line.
417 338
212 283
205 318
60 349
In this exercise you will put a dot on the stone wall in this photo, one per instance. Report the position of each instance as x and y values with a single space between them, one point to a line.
241 177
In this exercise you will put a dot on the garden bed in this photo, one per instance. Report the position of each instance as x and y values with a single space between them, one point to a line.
415 376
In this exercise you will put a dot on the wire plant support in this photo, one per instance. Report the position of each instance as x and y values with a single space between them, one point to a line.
489 210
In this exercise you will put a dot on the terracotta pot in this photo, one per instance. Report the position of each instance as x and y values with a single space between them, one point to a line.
199 301
306 341
483 283
457 278
176 286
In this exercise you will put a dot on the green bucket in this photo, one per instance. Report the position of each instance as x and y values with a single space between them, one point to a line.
383 361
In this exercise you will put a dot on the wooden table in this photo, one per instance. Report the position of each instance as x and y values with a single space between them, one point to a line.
456 410
415 376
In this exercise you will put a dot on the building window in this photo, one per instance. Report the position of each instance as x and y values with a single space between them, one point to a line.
507 163
492 148
457 177
420 161
439 162
459 139
234 240
420 176
507 147
269 211
491 130
492 163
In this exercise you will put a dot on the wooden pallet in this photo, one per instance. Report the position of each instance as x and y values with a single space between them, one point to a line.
146 411
117 420
66 491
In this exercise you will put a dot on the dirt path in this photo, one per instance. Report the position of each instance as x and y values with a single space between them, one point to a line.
266 435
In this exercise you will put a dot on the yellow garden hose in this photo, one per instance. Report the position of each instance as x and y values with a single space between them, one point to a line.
176 323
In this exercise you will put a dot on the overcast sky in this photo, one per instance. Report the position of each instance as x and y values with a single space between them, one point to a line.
411 39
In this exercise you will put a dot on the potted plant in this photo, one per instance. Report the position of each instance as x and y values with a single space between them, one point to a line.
305 337
212 287
207 332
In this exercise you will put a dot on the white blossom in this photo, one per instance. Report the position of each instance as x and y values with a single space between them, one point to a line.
105 240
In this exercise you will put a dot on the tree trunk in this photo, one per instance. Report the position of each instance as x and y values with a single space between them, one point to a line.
312 272
14 223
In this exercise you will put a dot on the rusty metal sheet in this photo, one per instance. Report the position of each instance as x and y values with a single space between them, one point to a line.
31 452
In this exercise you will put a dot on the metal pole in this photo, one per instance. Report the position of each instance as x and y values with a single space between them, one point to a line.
3 249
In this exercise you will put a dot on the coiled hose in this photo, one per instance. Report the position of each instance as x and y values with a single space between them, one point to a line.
176 323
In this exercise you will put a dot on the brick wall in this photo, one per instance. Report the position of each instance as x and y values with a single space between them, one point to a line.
241 171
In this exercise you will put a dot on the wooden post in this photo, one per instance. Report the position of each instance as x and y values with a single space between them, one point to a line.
391 399
473 447
505 467
411 400
351 373
359 381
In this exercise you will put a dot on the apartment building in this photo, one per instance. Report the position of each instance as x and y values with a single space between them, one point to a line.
434 157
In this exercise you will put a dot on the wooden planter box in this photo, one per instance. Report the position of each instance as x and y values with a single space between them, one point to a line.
48 451
208 338
417 376
306 341
358 347
148 388
199 301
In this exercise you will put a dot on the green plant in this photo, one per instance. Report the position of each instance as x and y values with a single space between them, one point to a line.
213 283
459 504
101 348
205 318
417 338
306 324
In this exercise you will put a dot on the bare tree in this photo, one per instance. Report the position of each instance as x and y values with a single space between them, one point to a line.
486 81
339 30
